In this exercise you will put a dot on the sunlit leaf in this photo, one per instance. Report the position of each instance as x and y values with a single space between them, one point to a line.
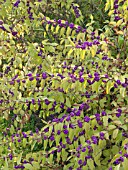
28 166
68 103
19 158
125 163
90 163
115 133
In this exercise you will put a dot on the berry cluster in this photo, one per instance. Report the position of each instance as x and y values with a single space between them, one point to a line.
76 10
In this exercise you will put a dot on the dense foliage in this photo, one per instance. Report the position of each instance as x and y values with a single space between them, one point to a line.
64 84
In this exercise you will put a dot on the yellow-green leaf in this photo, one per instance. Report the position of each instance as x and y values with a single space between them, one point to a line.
115 133
112 4
70 51
90 163
28 166
93 50
57 29
72 43
68 31
109 86
125 164
82 54
62 31
19 158
6 27
107 6
122 92
68 102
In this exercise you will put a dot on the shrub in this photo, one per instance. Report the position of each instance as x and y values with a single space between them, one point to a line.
63 86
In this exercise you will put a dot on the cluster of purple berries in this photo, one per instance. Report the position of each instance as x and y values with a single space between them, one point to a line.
16 4
29 11
76 10
65 24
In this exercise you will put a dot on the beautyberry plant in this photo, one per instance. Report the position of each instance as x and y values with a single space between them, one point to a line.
63 85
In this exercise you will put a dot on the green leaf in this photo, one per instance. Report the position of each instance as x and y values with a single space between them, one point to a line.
50 130
50 159
6 27
125 141
102 144
43 160
68 31
95 86
5 168
36 165
32 146
50 49
61 98
115 149
70 52
97 158
90 163
68 102
115 133
31 107
115 157
120 40
12 129
24 142
6 164
62 31
64 155
111 127
57 140
109 86
57 29
117 167
91 17
82 54
45 144
15 123
94 50
93 123
85 167
106 136
47 27
122 92
82 140
116 77
96 150
118 24
28 166
58 156
19 158
87 127
80 36
107 152
82 155
122 79
72 43
29 155
125 164
36 59
112 4
107 6
52 28
71 134
53 44
65 84
76 144
105 121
